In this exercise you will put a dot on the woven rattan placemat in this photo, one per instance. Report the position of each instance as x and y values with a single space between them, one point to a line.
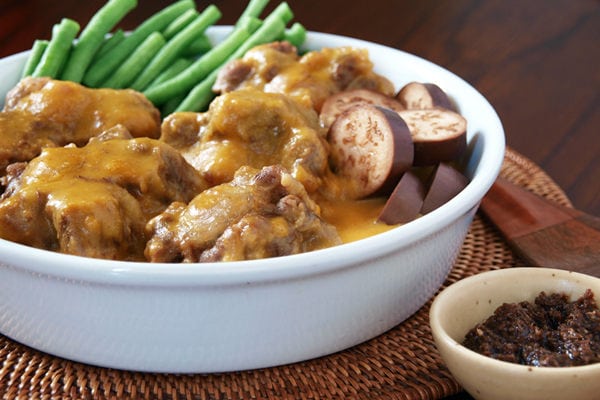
400 364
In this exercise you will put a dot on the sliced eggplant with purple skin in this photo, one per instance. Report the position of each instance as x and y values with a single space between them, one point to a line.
339 102
405 202
423 96
372 147
445 183
417 195
439 135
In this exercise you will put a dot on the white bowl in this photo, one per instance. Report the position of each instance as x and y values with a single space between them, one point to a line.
459 307
251 314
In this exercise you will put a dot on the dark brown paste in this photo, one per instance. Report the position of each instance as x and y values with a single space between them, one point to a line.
550 332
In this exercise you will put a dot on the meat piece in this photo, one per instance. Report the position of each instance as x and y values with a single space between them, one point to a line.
11 178
259 214
116 132
311 78
257 67
232 75
183 130
40 113
103 220
21 139
253 128
95 200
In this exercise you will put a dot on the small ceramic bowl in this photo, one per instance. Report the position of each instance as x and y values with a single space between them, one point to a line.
470 301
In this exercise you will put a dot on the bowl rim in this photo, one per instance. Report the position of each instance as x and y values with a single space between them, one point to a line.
296 266
441 335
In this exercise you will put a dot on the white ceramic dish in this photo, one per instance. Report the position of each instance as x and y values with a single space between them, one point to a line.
244 315
462 305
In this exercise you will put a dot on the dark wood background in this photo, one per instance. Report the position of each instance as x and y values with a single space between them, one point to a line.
536 61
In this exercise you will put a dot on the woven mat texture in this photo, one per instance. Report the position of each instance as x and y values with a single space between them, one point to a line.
403 363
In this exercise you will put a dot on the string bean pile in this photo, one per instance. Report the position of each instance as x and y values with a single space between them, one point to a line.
168 57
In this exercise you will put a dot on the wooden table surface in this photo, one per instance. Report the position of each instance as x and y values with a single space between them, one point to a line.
536 61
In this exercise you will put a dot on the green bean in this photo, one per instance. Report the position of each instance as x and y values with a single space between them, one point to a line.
272 28
92 36
174 69
58 49
37 51
174 47
199 46
106 64
200 96
114 40
170 72
202 43
253 9
179 23
199 69
251 23
296 35
170 106
127 72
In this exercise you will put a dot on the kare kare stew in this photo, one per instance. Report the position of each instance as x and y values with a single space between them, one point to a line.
96 173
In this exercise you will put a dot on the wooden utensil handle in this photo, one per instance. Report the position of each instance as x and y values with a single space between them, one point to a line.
542 232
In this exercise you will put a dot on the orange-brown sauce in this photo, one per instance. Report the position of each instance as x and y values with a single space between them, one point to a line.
355 219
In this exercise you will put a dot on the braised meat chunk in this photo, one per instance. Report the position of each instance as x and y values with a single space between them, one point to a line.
95 200
40 113
258 67
252 128
310 79
261 213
